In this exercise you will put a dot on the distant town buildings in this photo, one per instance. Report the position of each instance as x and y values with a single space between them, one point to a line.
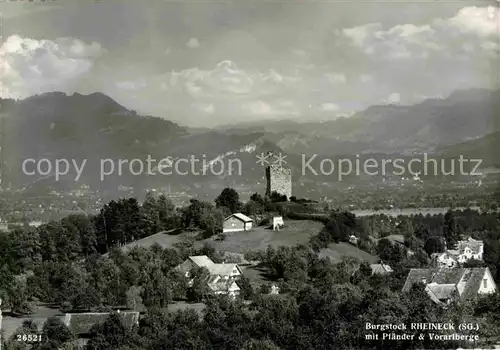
237 222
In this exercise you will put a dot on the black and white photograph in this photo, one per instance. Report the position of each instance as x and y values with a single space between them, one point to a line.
249 174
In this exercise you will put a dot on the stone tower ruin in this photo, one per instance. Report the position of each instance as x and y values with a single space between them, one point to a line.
278 179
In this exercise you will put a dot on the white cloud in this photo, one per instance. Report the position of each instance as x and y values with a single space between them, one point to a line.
31 66
193 43
330 107
336 78
360 34
472 29
277 109
483 21
394 98
227 80
130 85
365 78
207 108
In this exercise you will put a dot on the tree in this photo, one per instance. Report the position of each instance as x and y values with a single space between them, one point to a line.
157 290
134 297
26 248
111 334
260 345
191 214
389 252
277 197
120 222
211 221
18 297
450 231
55 331
474 263
230 199
434 245
168 216
151 213
365 269
246 287
199 289
257 198
253 207
27 327
86 232
225 323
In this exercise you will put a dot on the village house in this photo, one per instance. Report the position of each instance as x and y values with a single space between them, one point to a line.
237 222
222 277
275 290
444 259
444 285
380 269
469 249
353 240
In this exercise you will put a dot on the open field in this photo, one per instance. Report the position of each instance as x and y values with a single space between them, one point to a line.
337 252
181 305
294 232
394 239
11 324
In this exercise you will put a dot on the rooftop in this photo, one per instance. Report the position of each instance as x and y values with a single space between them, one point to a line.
81 323
470 279
240 216
213 268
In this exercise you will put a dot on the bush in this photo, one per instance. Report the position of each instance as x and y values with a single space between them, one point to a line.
264 289
221 237
265 221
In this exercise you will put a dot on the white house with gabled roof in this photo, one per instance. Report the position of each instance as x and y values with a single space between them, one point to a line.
237 222
221 277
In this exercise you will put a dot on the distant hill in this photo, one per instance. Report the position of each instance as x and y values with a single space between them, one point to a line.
433 123
485 148
94 127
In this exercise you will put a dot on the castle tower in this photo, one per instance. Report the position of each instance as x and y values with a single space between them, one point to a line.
278 179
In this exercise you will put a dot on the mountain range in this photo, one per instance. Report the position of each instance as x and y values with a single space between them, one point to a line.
433 123
93 127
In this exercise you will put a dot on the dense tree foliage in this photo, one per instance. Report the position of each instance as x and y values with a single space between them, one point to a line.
77 263
230 199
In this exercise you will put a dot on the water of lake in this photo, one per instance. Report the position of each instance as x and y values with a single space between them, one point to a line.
407 211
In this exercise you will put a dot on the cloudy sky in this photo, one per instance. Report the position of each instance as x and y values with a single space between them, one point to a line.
203 63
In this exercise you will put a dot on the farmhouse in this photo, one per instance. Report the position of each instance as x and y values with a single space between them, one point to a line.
237 222
444 285
444 259
222 277
470 249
